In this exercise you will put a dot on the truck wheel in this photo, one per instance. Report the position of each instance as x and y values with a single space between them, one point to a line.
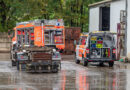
111 64
17 65
85 63
13 63
76 60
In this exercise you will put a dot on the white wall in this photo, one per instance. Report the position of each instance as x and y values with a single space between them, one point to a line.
115 8
128 30
94 19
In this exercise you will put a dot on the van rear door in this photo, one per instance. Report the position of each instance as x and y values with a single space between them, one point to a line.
101 46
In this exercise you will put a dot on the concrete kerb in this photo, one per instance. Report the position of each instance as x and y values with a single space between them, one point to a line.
124 59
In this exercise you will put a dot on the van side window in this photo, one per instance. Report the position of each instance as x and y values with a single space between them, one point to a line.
83 41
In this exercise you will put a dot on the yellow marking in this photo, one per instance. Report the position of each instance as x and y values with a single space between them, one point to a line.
104 31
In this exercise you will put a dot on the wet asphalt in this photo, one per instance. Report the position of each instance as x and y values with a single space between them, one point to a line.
70 77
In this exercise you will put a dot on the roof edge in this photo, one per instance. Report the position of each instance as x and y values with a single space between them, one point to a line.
98 3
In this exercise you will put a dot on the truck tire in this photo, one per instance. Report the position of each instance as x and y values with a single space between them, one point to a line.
76 60
13 63
111 64
85 63
17 65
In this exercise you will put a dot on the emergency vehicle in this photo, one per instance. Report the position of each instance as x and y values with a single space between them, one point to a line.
100 47
36 34
81 48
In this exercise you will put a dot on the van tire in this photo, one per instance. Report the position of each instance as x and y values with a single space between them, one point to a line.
101 63
111 64
76 60
85 63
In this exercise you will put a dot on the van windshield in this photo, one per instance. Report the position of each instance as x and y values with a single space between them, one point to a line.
82 40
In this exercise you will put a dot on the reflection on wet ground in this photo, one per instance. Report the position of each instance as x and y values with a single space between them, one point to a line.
71 77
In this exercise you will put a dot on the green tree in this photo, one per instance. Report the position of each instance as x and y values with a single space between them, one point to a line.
74 12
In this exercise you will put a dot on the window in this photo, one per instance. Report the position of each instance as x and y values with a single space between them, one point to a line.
104 18
83 40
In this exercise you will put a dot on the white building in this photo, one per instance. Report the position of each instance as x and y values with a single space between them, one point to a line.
105 16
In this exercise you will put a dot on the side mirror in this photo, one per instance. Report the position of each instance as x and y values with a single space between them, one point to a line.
75 42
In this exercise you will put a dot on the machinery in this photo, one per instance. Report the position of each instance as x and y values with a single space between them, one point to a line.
31 40
38 59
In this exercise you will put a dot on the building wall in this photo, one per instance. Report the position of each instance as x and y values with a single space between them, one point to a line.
128 30
115 8
94 19
5 43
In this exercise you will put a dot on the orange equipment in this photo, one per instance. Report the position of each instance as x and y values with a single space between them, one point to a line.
40 33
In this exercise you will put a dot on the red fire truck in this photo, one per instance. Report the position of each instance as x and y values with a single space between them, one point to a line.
38 33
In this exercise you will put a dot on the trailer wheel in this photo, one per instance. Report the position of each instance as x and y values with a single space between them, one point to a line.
55 71
111 64
85 63
55 68
76 60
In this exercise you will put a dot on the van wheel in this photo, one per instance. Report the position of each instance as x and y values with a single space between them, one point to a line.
76 60
101 63
85 63
111 64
